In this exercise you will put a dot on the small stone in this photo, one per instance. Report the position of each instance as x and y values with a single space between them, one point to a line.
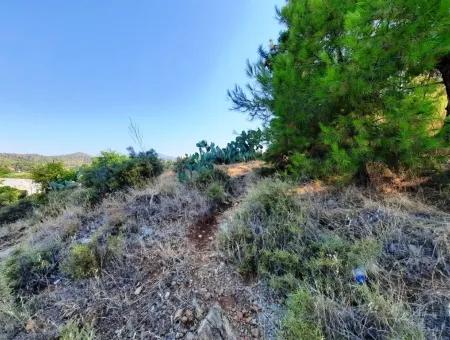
166 296
30 326
138 290
184 319
200 236
178 314
189 315
240 315
208 296
179 335
255 332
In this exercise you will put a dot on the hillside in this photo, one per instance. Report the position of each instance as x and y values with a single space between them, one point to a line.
24 162
171 261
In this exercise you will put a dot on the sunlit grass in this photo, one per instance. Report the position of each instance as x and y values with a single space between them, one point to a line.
21 175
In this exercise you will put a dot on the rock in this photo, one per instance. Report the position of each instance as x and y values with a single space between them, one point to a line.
189 315
166 296
138 290
178 314
179 335
31 326
215 326
255 332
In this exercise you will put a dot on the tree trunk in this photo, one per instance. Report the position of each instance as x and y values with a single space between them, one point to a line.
444 68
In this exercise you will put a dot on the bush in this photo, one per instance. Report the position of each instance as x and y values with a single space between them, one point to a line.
52 174
216 193
29 270
4 171
299 323
72 331
87 260
112 171
9 195
81 262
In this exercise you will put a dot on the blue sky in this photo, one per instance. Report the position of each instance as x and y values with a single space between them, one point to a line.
73 73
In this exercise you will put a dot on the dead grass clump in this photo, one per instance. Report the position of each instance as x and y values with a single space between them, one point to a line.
166 202
310 244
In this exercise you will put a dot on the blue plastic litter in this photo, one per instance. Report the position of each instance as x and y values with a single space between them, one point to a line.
360 275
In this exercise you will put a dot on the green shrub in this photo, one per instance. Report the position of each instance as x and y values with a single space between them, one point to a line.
87 260
28 270
9 195
112 171
52 174
203 178
4 171
81 262
300 323
216 193
72 331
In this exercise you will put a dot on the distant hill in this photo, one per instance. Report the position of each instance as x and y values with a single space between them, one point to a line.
24 162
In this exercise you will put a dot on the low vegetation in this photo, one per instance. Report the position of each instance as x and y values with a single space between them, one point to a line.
10 195
112 171
310 246
51 176
246 147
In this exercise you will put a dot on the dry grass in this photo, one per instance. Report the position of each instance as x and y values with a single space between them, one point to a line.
241 169
157 269
310 238
134 291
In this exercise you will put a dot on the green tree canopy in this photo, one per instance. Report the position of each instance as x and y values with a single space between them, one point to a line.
48 173
353 81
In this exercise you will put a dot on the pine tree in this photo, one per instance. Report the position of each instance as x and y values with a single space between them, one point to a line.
354 81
